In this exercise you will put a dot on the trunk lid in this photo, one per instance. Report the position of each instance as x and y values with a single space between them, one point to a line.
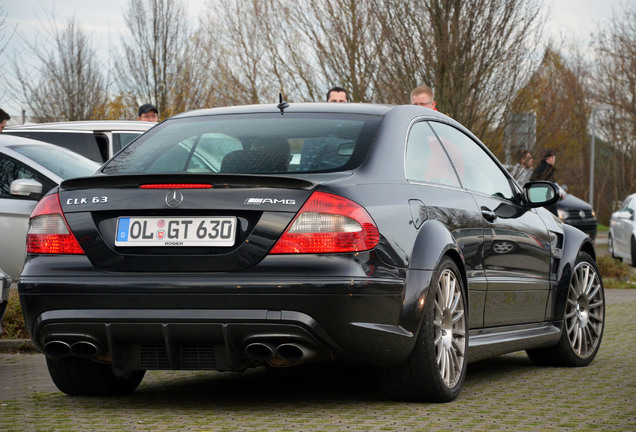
209 222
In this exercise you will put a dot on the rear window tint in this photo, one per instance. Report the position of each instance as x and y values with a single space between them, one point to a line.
251 144
83 143
122 139
65 164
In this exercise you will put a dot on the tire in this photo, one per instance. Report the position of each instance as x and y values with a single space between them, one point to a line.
610 247
82 377
584 319
633 251
436 368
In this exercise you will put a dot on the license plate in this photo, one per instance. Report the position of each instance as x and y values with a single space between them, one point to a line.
176 231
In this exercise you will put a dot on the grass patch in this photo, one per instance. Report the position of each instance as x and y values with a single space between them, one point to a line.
13 321
613 268
616 274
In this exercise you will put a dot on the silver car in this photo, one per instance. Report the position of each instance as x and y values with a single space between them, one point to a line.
622 232
5 285
96 139
29 169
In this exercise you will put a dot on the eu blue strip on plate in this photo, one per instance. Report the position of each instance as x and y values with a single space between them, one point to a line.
122 229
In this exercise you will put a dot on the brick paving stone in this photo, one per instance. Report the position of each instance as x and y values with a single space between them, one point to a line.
507 393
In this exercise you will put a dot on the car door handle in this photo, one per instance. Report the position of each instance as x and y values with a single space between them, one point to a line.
488 214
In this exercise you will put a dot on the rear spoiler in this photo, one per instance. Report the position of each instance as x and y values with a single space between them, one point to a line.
217 180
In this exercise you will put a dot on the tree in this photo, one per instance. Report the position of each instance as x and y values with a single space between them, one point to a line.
475 55
615 84
4 40
70 84
153 64
557 95
343 43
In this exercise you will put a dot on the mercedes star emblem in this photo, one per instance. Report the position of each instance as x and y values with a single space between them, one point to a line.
174 198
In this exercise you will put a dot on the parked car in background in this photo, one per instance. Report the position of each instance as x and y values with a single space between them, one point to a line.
5 285
97 140
578 213
622 232
28 169
394 237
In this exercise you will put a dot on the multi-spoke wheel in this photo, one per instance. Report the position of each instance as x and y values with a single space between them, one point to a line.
583 322
436 368
450 329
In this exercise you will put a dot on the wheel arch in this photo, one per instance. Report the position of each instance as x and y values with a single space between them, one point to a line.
574 242
432 244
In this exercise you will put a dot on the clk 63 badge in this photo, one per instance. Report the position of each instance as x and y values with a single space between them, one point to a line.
87 200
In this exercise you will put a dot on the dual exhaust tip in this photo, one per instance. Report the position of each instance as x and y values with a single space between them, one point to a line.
284 354
80 349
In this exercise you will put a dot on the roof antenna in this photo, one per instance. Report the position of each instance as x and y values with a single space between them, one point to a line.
282 105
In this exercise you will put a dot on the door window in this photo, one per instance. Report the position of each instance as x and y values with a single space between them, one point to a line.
477 171
426 159
10 171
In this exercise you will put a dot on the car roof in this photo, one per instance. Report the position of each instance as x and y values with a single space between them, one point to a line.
10 140
302 107
88 126
406 111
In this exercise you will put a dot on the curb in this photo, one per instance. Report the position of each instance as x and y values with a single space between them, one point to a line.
17 345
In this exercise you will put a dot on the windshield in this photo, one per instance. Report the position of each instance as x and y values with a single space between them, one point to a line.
250 144
60 161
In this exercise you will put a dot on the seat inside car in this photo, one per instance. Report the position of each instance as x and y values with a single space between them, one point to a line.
265 156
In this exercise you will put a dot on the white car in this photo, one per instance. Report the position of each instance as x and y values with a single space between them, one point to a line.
622 233
5 285
28 170
98 140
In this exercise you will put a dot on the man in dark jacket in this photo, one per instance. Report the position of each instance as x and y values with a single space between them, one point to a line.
546 169
4 118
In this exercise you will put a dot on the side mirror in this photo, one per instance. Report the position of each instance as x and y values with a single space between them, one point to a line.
542 193
624 215
26 188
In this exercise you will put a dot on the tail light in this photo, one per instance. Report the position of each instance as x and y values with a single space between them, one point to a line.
48 231
329 224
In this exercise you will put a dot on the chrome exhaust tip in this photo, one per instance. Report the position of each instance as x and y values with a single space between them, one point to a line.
293 353
57 349
84 349
260 351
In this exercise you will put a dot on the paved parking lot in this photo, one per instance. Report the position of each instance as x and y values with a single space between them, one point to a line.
506 393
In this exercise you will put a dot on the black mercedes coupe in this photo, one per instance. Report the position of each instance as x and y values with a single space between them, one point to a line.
230 238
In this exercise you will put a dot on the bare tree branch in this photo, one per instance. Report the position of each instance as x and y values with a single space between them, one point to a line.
71 85
153 53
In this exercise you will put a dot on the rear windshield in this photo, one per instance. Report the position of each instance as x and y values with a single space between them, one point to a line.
64 163
250 144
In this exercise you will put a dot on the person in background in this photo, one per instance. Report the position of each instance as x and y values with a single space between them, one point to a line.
149 113
524 167
4 118
337 94
423 96
545 170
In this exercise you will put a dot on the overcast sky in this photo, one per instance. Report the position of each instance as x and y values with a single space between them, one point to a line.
104 21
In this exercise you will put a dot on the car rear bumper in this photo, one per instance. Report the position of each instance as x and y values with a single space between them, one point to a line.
220 323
